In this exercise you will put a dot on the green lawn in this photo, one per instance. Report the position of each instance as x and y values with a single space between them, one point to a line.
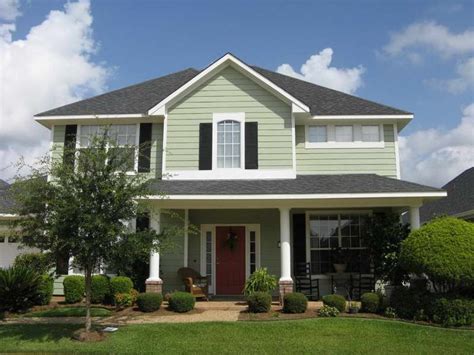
334 335
70 312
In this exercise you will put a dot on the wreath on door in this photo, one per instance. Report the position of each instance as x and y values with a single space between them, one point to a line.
231 240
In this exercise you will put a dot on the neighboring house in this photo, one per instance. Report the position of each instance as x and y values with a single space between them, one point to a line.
9 239
459 202
274 171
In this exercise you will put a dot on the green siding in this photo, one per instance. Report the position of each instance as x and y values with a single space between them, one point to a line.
229 91
156 147
380 161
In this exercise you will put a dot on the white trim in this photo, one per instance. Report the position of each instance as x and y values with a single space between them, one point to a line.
293 140
212 228
356 137
223 61
8 216
186 237
358 117
165 141
397 153
226 174
51 146
87 117
232 116
301 196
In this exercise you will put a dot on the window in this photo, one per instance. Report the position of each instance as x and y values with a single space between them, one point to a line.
344 134
124 139
370 134
2 239
228 144
253 251
208 242
318 134
330 231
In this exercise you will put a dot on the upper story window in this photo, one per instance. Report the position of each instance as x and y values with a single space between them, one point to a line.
344 134
370 134
228 144
124 137
318 134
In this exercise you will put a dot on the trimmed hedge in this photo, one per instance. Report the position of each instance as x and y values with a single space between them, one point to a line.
100 288
181 302
120 284
453 312
337 301
74 288
149 302
442 249
370 302
259 302
295 303
45 290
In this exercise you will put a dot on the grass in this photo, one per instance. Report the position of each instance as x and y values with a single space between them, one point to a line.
331 335
70 312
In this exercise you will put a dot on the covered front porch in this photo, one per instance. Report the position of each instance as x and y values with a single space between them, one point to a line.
291 235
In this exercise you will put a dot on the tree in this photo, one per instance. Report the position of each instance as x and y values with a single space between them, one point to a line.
383 239
82 208
443 250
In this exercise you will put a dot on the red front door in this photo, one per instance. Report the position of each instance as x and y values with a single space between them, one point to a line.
230 260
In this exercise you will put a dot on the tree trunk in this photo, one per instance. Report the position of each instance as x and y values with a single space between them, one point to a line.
88 280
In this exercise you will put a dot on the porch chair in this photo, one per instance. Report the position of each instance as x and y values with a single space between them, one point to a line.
195 284
362 283
305 283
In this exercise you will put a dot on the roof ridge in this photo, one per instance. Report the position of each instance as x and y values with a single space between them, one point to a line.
327 88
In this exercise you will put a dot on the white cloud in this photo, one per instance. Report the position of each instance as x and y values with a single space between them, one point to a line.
51 66
430 35
317 70
9 9
435 156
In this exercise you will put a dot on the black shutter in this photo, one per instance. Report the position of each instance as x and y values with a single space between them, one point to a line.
69 144
205 146
144 151
251 145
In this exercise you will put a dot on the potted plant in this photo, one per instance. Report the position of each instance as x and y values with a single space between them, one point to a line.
339 259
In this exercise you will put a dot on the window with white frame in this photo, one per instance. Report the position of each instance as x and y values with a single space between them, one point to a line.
330 231
370 133
208 253
344 133
253 251
123 136
317 134
228 144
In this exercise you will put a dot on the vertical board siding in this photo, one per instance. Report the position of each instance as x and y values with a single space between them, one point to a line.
156 154
379 161
229 91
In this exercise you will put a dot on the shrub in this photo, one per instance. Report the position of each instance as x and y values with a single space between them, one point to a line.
123 300
120 284
453 312
295 303
45 290
18 288
100 288
408 301
259 302
260 281
389 312
370 302
181 302
443 249
328 311
74 287
149 302
337 301
134 293
42 263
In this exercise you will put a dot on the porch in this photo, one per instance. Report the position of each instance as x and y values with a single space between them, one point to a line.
238 233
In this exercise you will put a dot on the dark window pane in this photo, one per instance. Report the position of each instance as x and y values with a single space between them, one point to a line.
252 258
346 242
252 247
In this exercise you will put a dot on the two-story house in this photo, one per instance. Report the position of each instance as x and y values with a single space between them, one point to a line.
274 171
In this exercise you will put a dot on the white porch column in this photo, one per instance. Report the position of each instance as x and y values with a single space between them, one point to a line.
154 282
70 268
286 282
414 217
186 225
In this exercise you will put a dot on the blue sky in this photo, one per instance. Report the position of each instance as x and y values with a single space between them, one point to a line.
139 40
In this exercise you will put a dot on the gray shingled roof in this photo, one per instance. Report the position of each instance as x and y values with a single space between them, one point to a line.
460 198
303 184
139 98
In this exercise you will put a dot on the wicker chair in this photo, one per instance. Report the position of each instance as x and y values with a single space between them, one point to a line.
195 284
